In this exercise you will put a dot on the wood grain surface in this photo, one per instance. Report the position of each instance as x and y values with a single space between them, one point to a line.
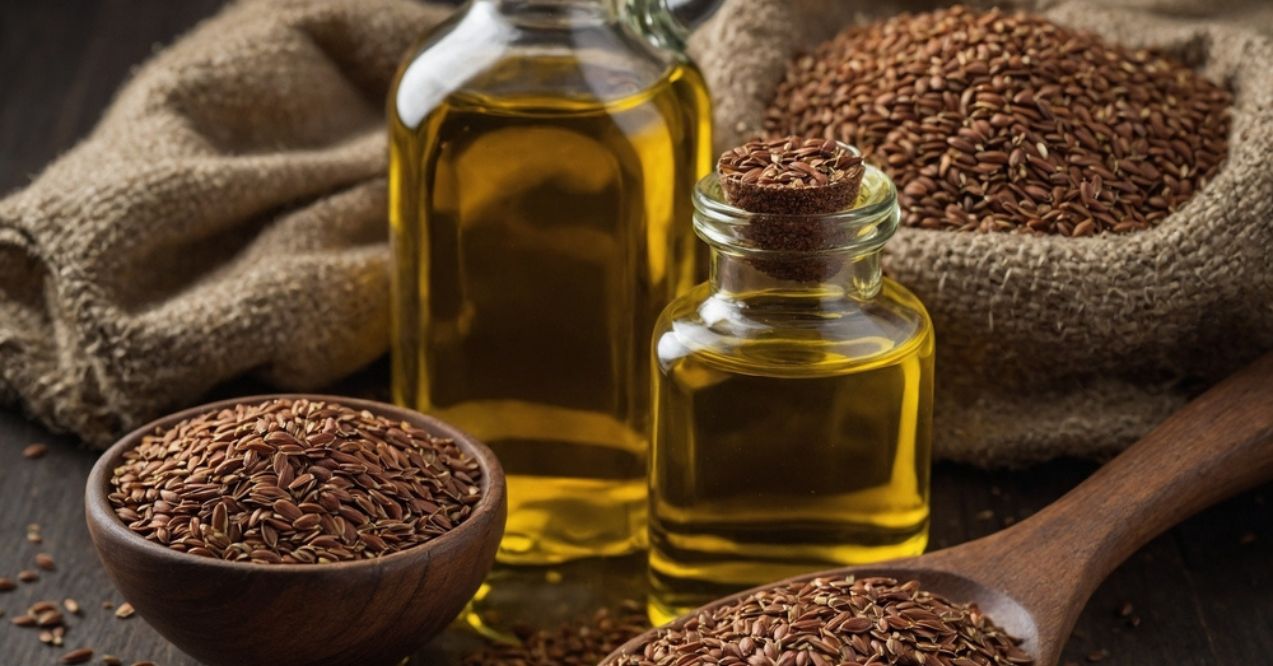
1201 594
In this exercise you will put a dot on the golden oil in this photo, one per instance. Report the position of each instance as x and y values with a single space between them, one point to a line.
538 230
792 425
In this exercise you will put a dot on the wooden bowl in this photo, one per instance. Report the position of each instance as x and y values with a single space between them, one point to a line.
373 611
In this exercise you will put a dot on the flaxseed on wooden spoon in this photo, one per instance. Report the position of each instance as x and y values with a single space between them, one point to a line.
833 622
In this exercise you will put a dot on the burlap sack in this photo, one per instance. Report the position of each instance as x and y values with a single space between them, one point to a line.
1051 346
227 216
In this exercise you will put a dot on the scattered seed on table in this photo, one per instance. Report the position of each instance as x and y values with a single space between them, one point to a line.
1126 609
45 561
106 605
1098 655
112 660
48 619
23 621
7 584
72 606
143 663
79 656
124 611
583 643
34 451
42 607
46 637
28 576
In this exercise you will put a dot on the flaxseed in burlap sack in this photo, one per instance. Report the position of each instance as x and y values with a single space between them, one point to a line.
1049 345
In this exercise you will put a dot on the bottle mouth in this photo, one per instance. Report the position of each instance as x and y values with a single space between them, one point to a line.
864 227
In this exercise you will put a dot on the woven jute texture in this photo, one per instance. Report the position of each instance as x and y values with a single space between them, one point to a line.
1051 346
227 216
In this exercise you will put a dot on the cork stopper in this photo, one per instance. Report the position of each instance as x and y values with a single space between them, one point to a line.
791 181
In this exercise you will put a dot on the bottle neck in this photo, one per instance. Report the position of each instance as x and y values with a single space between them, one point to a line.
774 278
654 20
558 14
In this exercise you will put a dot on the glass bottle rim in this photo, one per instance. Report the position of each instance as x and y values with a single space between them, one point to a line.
863 228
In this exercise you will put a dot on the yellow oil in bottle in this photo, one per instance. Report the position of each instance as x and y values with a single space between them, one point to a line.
781 449
536 236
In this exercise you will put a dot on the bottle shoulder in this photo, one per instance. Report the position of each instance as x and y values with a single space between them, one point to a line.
833 337
483 53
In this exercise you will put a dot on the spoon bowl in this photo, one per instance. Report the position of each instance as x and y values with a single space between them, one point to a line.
372 611
1034 578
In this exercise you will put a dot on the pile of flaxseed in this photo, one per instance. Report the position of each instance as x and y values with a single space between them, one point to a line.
834 622
992 121
294 482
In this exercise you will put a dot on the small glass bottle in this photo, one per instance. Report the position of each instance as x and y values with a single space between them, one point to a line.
792 405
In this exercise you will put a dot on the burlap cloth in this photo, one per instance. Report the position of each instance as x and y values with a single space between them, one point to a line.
227 217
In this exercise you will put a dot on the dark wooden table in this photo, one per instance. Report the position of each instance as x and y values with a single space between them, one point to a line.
1199 595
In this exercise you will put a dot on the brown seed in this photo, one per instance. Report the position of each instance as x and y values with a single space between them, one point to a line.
7 584
840 621
72 606
112 660
1067 130
286 472
35 451
124 611
790 175
79 656
28 576
23 621
45 561
582 643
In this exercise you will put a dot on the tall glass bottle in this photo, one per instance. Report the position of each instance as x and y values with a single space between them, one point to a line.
542 158
792 421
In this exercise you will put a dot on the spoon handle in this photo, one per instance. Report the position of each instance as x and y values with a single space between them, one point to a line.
1216 446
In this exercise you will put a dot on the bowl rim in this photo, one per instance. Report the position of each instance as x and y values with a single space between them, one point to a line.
100 514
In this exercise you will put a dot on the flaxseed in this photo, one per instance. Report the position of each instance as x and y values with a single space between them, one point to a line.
294 482
846 622
991 121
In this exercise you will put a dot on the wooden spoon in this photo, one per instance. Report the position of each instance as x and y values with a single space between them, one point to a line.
1034 578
